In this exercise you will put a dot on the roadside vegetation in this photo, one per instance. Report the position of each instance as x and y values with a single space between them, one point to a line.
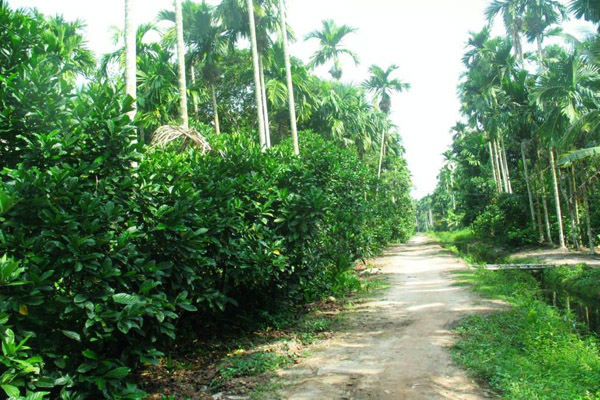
130 227
528 348
523 164
522 171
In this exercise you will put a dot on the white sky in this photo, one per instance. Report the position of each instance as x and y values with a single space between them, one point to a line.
425 39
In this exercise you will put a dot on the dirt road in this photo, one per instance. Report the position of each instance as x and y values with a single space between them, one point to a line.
395 345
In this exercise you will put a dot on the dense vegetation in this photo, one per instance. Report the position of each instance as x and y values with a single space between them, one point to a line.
531 350
112 248
523 164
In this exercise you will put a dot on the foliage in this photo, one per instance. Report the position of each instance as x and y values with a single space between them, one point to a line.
473 248
110 250
505 222
528 351
582 281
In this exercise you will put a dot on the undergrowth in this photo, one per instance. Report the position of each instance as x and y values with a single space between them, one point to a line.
241 362
529 350
473 248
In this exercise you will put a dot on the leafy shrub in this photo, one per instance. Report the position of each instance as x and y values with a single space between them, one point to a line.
578 280
109 250
506 221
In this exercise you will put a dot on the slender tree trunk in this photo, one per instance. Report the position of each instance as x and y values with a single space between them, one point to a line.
193 79
588 225
525 169
567 198
381 153
215 109
505 163
263 89
500 164
452 196
576 202
538 214
257 85
130 56
540 51
545 205
561 234
181 61
288 75
494 172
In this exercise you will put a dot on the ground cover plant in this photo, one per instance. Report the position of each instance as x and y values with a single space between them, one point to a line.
528 348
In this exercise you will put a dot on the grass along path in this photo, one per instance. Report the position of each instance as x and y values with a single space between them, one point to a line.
528 350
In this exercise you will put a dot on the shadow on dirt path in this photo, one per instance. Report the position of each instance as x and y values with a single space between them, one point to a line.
396 344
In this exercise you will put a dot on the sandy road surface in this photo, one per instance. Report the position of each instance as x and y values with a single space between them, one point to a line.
395 345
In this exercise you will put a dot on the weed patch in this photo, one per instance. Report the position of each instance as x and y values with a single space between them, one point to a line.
529 351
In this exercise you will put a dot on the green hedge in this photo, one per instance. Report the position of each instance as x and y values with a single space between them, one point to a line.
109 250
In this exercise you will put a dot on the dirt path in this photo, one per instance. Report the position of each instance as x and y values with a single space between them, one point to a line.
395 345
560 256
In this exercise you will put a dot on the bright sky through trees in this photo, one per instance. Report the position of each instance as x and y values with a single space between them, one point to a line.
425 39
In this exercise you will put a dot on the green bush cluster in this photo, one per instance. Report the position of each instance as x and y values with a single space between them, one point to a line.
581 281
505 220
110 250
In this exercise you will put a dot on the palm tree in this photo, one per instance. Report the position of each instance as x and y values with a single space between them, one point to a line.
257 79
380 84
587 9
331 49
130 56
512 16
539 15
563 93
288 75
206 43
181 64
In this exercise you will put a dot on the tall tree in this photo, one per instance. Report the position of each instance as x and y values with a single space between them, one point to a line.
257 79
331 48
539 16
382 86
512 16
206 44
288 75
130 56
181 64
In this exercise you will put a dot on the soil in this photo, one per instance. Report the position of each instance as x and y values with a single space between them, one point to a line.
560 256
396 344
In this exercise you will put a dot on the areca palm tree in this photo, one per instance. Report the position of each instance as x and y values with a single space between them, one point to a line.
257 79
539 16
130 56
563 94
382 86
241 20
181 64
513 18
206 43
330 38
587 9
288 75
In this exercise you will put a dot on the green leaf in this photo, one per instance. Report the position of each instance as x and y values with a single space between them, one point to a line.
124 298
577 155
11 391
118 373
90 354
36 395
72 335
80 298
